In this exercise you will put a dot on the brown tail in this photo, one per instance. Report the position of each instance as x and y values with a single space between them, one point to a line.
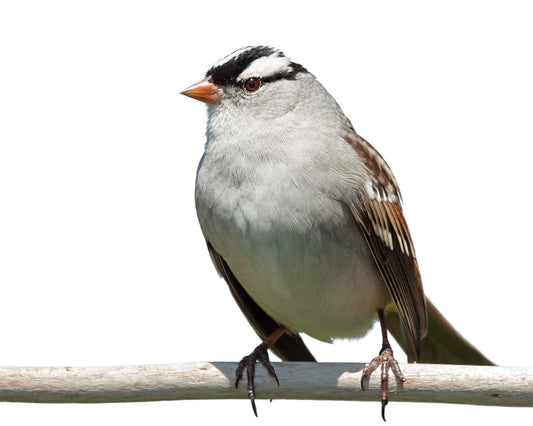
442 345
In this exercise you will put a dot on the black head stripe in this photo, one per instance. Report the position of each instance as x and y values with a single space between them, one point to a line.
227 73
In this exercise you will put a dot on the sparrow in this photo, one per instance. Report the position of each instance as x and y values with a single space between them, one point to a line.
302 218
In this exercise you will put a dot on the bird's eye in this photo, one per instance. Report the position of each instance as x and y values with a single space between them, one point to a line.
252 84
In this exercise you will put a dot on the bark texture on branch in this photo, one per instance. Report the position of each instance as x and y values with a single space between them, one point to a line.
503 386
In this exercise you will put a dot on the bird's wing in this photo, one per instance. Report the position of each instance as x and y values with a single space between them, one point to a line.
290 346
379 213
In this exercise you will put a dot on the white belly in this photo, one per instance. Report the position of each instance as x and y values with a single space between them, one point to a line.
308 268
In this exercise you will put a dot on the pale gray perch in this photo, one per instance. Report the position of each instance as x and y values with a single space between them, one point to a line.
507 386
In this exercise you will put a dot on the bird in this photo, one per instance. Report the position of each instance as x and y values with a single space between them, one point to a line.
303 219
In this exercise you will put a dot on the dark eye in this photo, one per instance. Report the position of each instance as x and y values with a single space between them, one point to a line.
252 84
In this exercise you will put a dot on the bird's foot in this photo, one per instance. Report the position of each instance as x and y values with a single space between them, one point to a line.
386 360
248 362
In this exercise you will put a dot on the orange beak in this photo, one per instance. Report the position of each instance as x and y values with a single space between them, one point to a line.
205 91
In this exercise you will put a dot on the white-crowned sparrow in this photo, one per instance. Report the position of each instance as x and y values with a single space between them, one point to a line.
302 218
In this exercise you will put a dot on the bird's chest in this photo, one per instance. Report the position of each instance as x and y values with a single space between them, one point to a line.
293 246
263 212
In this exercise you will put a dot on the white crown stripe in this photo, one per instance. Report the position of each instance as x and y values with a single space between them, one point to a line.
233 55
266 66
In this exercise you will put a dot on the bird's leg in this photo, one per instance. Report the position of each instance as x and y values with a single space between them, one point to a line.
386 360
258 354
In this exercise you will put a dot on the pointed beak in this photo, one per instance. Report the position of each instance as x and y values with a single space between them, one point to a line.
205 91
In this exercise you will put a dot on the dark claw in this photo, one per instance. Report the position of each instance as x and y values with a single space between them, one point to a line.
252 400
386 360
248 362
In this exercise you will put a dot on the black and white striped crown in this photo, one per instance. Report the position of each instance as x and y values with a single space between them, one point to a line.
262 62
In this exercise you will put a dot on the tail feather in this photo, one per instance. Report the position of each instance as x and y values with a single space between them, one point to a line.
442 345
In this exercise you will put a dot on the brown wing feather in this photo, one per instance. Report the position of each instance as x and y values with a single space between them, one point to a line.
380 215
290 346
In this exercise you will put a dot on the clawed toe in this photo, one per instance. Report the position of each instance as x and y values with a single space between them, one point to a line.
386 360
248 363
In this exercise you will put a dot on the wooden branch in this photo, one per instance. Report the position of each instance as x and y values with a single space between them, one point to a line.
504 386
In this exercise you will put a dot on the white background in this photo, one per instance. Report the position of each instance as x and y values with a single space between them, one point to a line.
101 258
